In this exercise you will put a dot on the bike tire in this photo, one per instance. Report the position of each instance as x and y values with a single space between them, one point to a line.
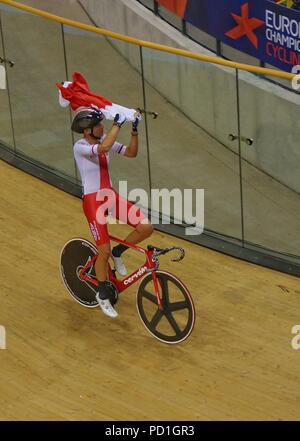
176 299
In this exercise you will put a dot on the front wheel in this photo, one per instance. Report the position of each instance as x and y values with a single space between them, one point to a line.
175 322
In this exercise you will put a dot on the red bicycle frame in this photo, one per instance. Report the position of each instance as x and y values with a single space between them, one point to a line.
149 266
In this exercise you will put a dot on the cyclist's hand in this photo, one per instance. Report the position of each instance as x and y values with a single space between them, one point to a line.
119 119
135 123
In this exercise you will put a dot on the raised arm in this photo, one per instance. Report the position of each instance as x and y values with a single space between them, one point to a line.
132 149
112 134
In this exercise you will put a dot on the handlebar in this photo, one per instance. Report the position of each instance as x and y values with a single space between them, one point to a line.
159 251
147 112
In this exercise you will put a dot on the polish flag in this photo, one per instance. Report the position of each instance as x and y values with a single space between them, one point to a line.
77 94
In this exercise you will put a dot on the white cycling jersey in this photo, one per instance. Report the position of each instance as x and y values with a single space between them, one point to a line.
93 168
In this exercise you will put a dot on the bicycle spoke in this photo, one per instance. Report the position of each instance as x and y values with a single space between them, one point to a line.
172 322
177 306
165 290
149 296
156 318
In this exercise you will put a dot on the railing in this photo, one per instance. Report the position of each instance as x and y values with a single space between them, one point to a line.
219 127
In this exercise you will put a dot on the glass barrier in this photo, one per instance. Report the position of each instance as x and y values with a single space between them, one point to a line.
196 103
40 126
6 132
270 166
230 133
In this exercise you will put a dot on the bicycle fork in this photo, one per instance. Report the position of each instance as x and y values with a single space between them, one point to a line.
157 292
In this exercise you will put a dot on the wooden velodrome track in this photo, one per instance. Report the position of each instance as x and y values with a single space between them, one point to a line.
66 362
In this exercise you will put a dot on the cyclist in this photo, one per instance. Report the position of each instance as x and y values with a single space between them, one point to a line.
99 198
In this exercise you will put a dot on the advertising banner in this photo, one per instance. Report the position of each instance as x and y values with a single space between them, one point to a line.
261 28
176 6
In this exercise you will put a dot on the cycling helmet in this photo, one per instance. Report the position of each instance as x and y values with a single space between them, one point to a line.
87 118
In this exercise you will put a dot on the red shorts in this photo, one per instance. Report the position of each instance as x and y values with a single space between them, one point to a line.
97 206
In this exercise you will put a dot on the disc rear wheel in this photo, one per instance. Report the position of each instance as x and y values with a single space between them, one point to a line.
74 256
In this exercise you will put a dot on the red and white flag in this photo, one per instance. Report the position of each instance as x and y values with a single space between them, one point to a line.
77 94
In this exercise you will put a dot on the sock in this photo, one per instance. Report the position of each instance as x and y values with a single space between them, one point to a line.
119 249
102 290
106 291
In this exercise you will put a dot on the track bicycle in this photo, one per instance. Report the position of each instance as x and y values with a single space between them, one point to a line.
164 303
